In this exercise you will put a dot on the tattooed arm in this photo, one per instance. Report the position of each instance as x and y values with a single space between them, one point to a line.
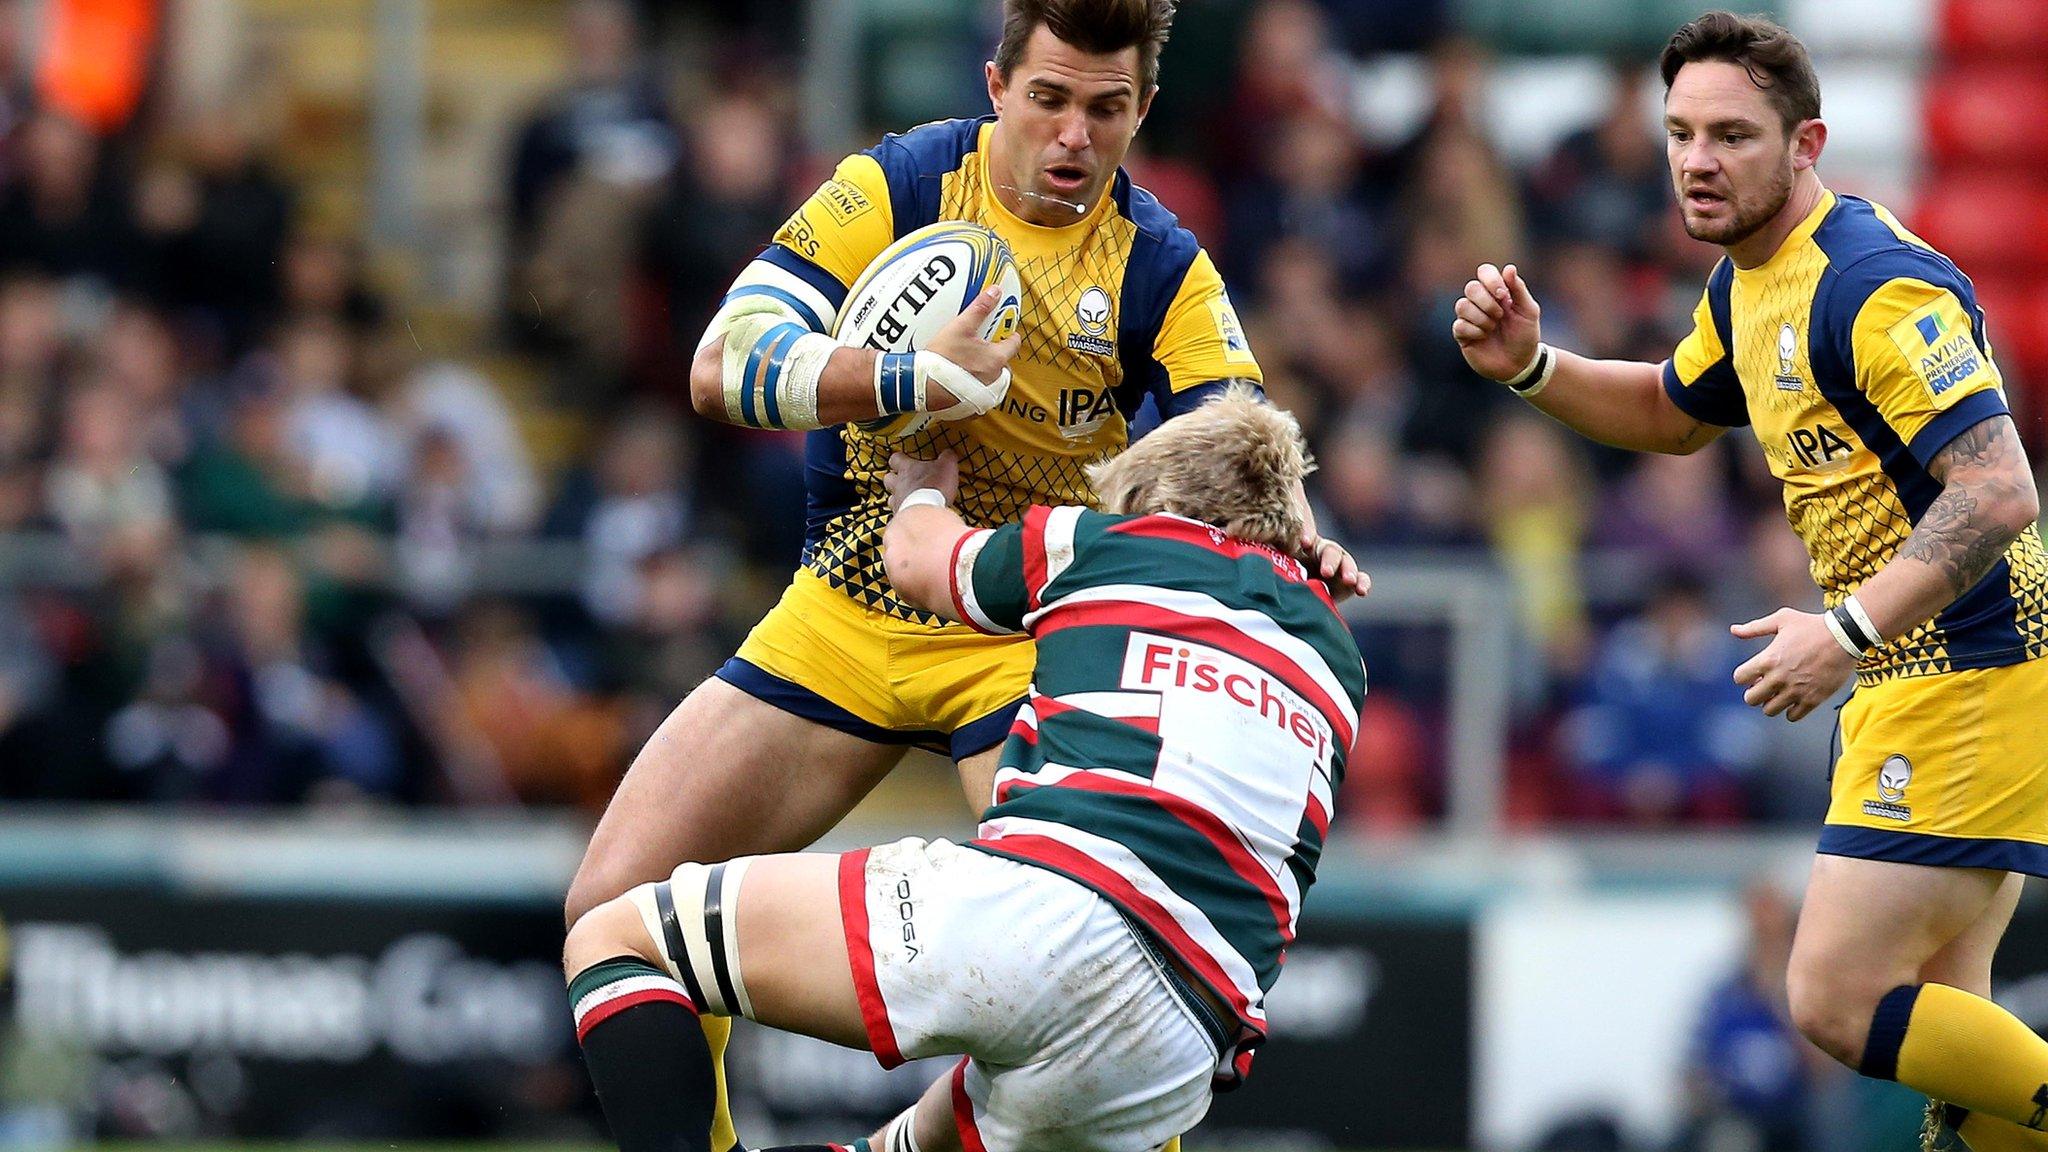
1987 498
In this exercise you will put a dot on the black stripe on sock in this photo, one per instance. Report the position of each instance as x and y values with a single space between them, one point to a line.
714 930
1888 1032
672 938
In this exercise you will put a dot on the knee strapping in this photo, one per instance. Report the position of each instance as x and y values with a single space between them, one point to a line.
692 916
902 1135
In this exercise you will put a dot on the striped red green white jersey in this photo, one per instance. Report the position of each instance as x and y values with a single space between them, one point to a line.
1194 699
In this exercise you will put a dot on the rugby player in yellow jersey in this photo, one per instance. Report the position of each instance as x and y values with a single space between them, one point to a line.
1120 304
1859 357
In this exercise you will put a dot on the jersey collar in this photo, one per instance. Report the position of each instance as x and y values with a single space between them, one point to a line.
1796 239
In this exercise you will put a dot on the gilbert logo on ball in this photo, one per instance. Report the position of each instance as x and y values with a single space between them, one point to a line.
917 286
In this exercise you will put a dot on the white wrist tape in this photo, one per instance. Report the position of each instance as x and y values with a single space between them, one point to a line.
1841 637
772 369
931 496
1854 608
903 380
1536 375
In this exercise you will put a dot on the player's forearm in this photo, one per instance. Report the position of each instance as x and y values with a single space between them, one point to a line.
846 387
1622 403
1961 537
917 555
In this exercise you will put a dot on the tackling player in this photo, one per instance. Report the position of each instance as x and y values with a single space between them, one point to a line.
1101 953
1859 356
1120 304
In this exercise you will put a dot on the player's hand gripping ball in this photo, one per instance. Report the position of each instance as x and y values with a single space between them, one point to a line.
917 286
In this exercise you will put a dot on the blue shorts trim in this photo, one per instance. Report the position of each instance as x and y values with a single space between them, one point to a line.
1937 851
985 733
797 700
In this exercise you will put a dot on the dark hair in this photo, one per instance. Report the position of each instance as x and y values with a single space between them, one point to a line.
1776 61
1101 26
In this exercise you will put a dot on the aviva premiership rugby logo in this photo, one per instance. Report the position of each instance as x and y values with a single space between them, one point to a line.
1893 777
1093 314
1936 342
1950 359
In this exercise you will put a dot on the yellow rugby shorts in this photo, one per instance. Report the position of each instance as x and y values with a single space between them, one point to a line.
1949 769
823 656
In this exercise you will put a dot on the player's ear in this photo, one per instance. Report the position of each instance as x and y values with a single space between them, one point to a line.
1808 139
995 85
1145 104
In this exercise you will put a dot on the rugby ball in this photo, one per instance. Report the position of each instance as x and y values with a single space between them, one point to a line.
916 286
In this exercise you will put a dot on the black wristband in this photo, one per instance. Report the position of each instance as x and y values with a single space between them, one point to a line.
1850 628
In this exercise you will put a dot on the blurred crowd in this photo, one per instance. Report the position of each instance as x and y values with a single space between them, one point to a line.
268 551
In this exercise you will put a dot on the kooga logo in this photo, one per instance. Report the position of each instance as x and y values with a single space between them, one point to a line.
423 999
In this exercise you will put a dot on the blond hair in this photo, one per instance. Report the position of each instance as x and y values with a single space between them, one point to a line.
1236 463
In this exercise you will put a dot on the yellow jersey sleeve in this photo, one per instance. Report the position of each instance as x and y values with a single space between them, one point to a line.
1201 340
1923 363
845 224
1700 377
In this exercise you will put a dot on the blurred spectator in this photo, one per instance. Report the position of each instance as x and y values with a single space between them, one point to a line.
1607 183
349 451
1368 497
436 526
550 742
584 167
1531 494
716 213
1452 406
611 120
324 275
1287 68
67 215
632 507
1675 511
1751 1078
1663 733
1309 188
1458 186
1324 357
246 480
1590 305
218 217
168 741
1187 189
679 635
137 356
298 734
1457 73
451 399
103 490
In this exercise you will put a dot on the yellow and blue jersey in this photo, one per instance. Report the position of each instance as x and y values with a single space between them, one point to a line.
1120 305
1857 353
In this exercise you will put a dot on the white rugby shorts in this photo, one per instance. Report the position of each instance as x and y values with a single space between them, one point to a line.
1074 1036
